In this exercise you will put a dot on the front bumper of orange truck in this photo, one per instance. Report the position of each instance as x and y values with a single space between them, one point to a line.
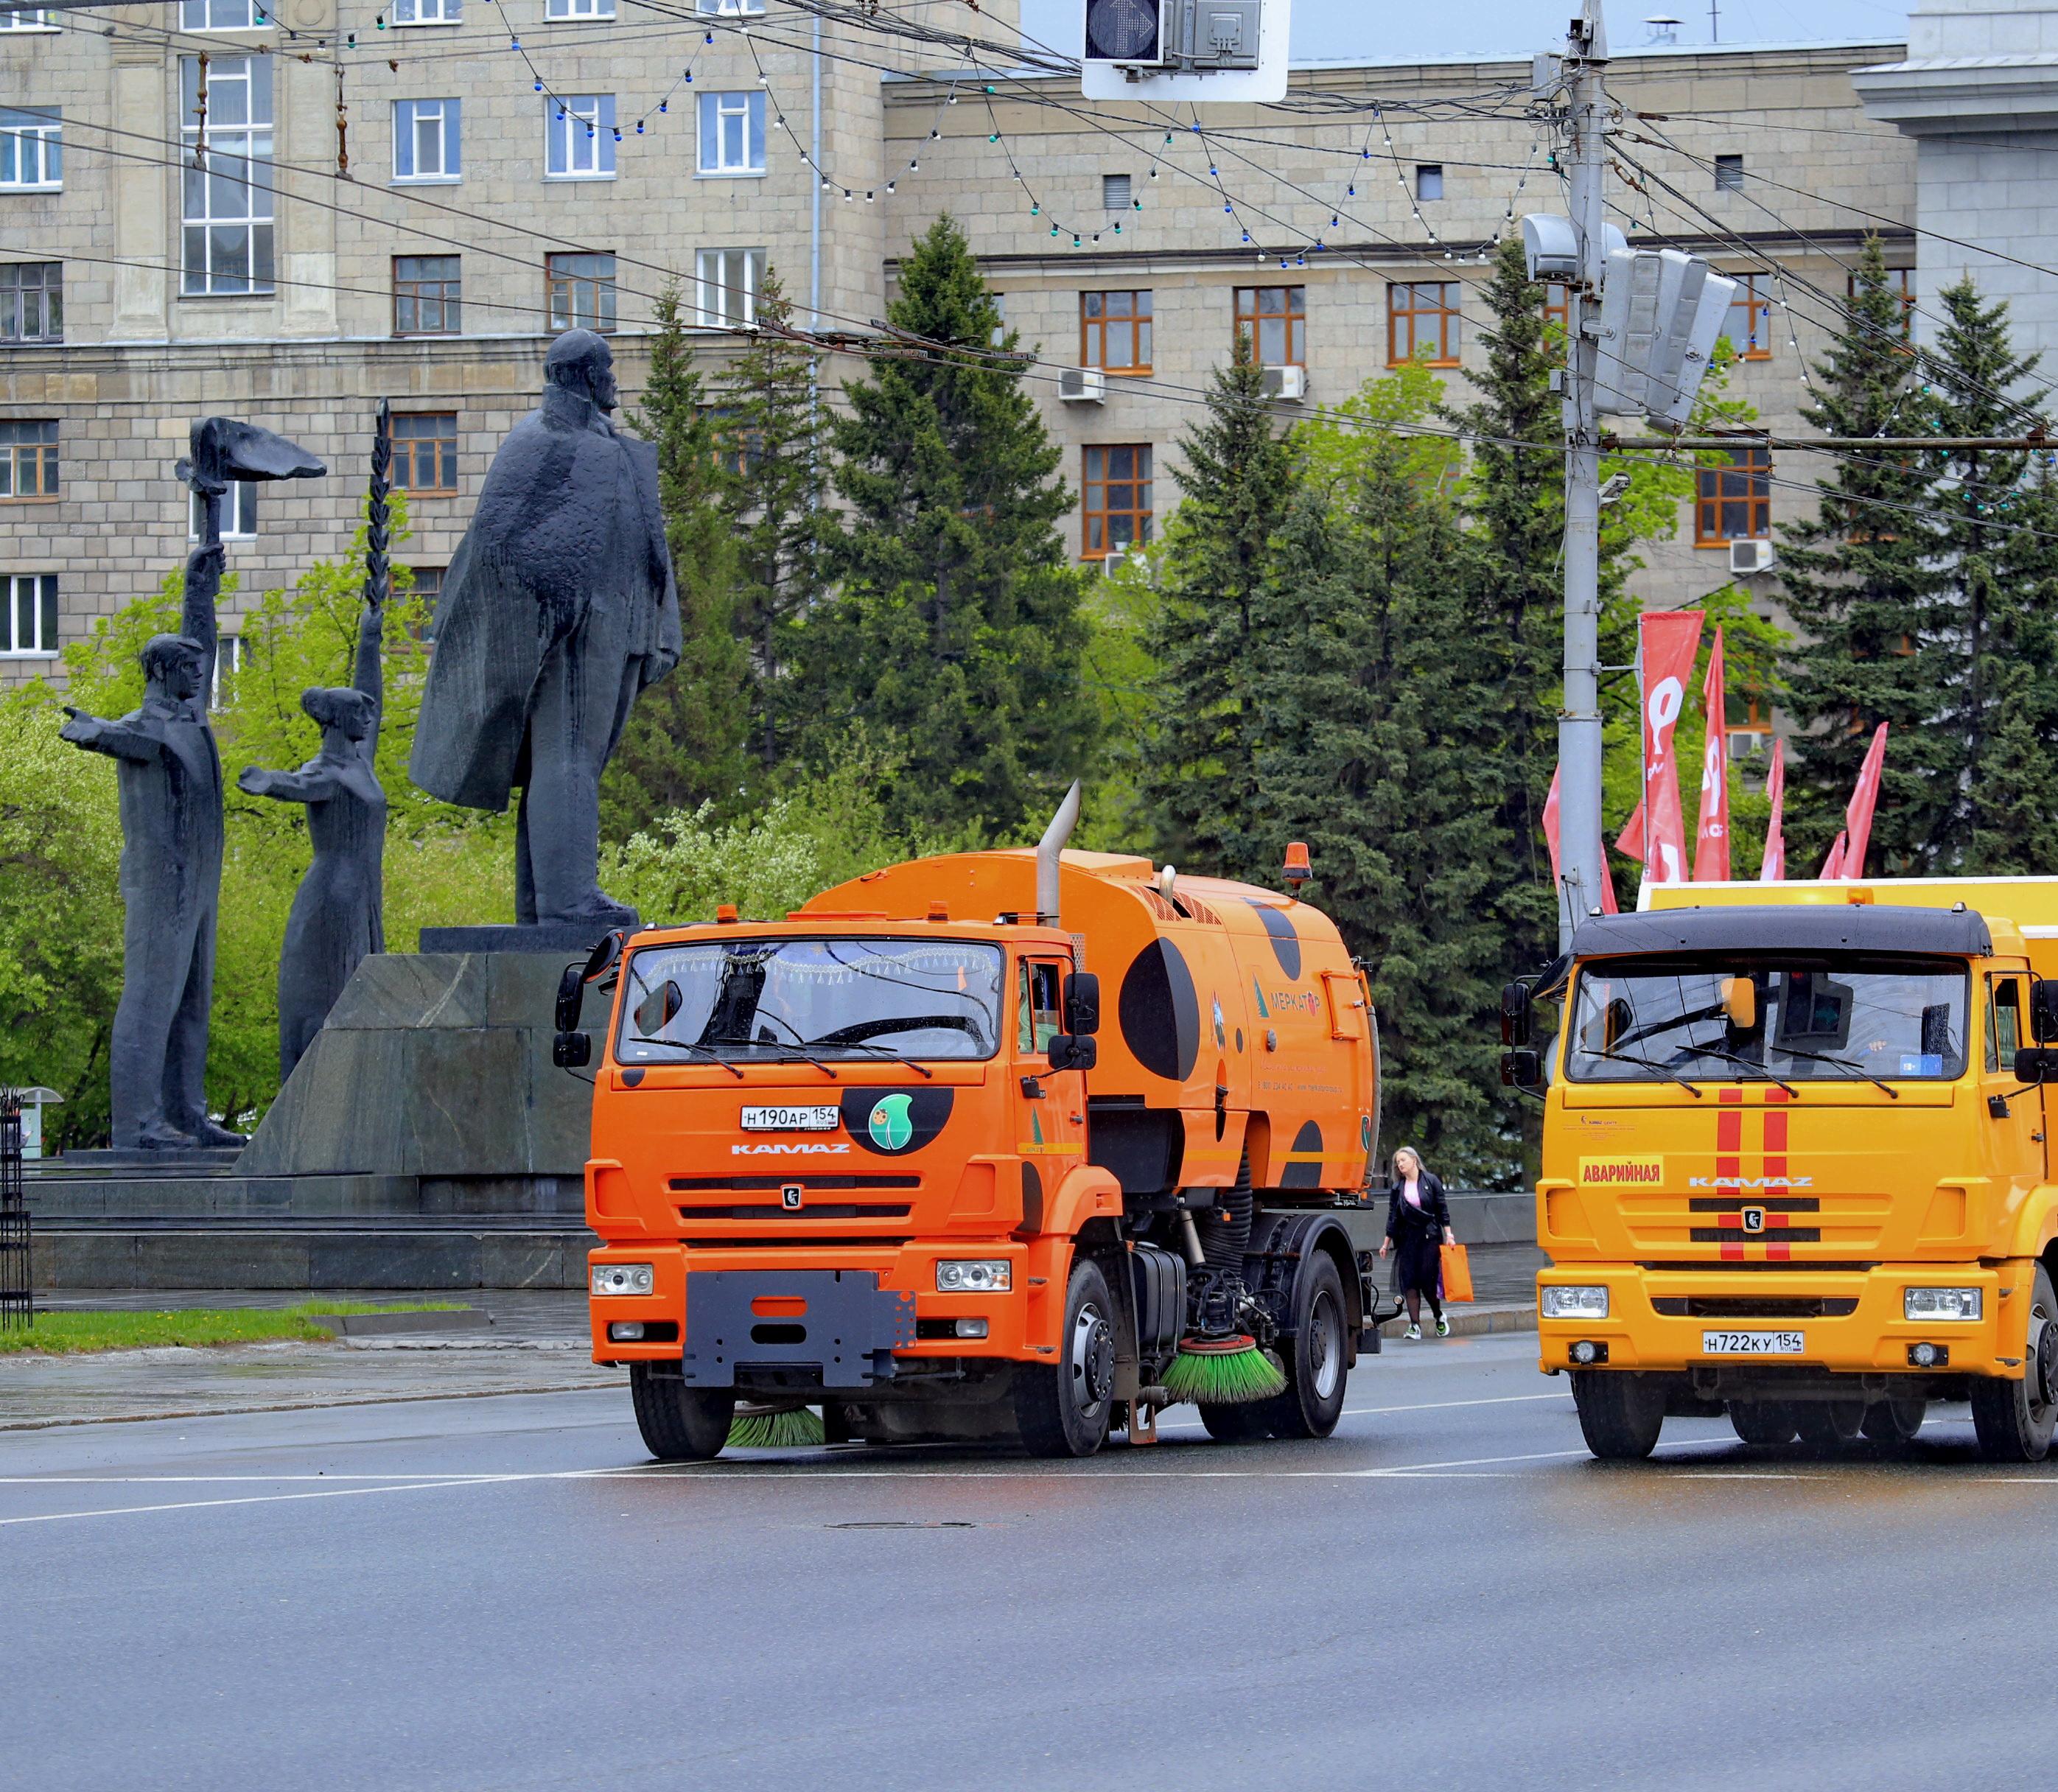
1020 1323
1849 1322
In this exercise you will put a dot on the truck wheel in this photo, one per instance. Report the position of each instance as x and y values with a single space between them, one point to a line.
680 1424
1318 1358
1766 1423
1893 1422
1829 1425
1620 1413
2014 1419
1063 1408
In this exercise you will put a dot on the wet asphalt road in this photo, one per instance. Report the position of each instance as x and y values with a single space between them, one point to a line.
501 1593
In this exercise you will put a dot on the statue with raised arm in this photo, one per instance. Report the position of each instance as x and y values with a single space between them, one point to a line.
338 915
170 779
559 606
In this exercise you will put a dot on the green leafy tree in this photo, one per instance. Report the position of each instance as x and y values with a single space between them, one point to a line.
1237 488
684 743
953 644
1866 584
772 440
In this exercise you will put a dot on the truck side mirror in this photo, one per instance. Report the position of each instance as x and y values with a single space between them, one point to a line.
2044 1010
571 997
1522 1069
570 1050
1514 1014
2035 1064
659 1009
1083 1004
1072 1051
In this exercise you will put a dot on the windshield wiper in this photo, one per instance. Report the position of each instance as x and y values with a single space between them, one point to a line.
1748 1063
1651 1064
690 1045
1841 1064
794 1054
884 1052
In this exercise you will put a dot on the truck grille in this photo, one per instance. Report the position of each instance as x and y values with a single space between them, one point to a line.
1747 1226
826 1209
1752 1306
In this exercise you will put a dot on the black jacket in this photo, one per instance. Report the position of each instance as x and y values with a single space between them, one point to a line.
1432 1216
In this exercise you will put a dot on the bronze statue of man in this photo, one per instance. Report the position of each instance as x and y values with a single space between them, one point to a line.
559 608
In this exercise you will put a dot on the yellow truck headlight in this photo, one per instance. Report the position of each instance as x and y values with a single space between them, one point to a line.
977 1275
1571 1302
623 1278
1940 1303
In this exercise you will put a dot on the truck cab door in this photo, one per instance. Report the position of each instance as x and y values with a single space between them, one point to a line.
2019 1135
1053 1103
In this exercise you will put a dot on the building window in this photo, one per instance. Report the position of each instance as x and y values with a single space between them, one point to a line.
239 513
732 134
579 9
1422 318
581 134
1733 502
1428 180
1118 498
425 453
427 295
31 147
221 15
428 591
1729 174
425 141
31 627
1901 282
1115 193
425 12
231 654
227 135
1749 325
731 9
29 18
32 302
29 459
728 283
1115 331
738 450
582 292
1557 305
1275 318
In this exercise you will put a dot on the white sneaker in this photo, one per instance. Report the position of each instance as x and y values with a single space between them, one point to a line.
1443 1326
1415 1333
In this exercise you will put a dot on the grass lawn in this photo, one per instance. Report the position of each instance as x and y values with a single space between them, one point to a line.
66 1330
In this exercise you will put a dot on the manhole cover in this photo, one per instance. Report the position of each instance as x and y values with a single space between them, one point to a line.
904 1524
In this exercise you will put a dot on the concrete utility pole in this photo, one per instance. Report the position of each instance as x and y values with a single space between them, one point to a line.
1579 722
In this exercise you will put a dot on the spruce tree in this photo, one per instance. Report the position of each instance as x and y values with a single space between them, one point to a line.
684 743
775 449
1237 488
1366 689
1865 587
1999 517
953 646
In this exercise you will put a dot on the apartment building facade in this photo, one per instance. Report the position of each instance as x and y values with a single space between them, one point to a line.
208 207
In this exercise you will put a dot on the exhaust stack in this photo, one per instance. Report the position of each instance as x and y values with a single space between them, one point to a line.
1048 849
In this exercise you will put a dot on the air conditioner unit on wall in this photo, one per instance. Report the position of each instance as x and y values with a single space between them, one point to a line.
1748 557
1083 386
1289 383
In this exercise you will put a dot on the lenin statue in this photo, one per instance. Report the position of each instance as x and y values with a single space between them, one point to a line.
559 608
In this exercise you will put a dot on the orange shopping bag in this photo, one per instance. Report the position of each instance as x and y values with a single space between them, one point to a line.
1457 1274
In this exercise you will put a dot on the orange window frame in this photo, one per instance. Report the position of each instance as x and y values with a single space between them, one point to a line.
1408 303
1113 490
1757 307
425 453
1901 282
1115 330
1740 491
1274 316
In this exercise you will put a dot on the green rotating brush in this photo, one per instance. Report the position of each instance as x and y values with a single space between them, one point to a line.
1223 1371
775 1428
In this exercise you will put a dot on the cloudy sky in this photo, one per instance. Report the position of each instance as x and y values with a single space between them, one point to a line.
1386 32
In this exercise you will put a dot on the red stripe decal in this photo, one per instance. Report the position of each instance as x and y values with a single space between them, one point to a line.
1732 1253
1775 1128
1779 1254
1729 1132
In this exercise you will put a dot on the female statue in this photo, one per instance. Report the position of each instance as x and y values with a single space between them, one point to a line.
338 915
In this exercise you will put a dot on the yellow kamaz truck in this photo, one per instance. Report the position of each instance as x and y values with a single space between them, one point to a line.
1796 1161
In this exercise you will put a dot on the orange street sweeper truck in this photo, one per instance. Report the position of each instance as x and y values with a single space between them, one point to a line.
888 1158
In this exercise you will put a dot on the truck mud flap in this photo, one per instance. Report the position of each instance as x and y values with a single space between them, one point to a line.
837 1327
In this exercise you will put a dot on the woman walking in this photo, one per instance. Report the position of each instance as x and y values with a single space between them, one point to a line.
1418 1226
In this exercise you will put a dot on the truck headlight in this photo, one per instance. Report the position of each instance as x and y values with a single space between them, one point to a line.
1940 1303
977 1275
623 1278
1575 1303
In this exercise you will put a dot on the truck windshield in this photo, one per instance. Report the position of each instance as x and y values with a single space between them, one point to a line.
759 1001
1796 1019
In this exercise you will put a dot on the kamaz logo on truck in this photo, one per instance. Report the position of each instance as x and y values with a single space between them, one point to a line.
1751 1182
784 1150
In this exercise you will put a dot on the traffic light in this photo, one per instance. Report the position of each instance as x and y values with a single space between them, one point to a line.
1124 31
1189 50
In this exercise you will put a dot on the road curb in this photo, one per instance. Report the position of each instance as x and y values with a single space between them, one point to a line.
1481 1321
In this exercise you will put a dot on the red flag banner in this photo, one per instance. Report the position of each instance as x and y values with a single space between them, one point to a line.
1608 904
1711 835
1669 639
1864 799
1832 866
1773 869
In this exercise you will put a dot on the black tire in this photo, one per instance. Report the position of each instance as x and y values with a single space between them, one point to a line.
1894 1421
2014 1419
1830 1425
1242 1422
1062 1408
1620 1413
1316 1358
680 1424
1768 1423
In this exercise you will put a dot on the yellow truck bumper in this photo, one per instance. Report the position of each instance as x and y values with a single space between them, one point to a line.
1849 1322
